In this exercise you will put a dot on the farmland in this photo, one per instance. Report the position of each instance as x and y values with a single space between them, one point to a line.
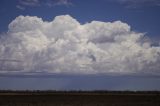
79 98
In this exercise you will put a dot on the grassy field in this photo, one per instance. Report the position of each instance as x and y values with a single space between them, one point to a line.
95 98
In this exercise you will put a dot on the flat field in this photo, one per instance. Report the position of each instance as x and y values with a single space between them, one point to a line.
79 98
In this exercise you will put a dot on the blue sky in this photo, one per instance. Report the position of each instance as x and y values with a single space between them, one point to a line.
141 16
127 17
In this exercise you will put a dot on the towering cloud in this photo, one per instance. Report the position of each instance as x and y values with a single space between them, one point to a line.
63 45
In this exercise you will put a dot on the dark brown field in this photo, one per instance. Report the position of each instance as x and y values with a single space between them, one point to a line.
104 98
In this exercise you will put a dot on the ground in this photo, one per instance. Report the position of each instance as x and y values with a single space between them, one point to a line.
78 98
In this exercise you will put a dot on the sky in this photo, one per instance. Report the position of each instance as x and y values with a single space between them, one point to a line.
80 44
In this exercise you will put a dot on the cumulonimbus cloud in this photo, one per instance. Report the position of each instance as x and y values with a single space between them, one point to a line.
63 45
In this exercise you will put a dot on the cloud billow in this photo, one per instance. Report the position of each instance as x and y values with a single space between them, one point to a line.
63 45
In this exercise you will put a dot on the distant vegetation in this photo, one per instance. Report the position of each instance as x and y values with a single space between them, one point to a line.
79 98
79 91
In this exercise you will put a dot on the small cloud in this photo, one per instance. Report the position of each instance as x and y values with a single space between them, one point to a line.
29 2
63 2
52 3
49 3
138 3
20 7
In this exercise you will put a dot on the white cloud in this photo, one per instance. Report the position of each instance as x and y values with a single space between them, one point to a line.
63 45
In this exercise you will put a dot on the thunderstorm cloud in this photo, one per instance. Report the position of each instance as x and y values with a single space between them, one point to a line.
63 45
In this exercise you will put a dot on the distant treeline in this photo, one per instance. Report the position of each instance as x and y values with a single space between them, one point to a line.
78 91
